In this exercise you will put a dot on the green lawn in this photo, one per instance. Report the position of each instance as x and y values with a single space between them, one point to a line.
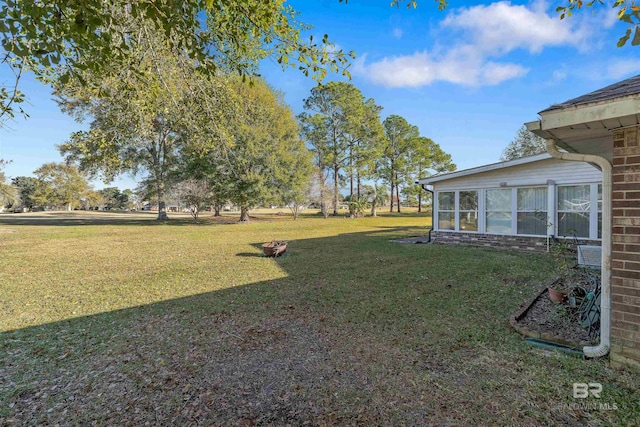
119 320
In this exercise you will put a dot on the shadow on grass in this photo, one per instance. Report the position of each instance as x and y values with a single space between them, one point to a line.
89 218
360 331
81 218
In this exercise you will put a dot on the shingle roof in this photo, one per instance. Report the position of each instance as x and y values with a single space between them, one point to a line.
628 87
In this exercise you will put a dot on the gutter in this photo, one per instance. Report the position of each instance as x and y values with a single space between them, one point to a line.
601 349
424 187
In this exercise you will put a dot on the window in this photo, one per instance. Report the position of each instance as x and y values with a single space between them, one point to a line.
468 211
574 206
498 207
532 211
446 210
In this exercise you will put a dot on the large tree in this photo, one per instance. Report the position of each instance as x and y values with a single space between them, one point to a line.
394 165
365 137
265 160
329 109
344 129
139 121
525 143
60 184
314 130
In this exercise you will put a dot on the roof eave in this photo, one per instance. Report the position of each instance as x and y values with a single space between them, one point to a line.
485 168
587 113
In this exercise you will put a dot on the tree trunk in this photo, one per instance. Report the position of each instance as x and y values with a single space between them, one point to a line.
323 204
420 201
216 210
358 184
398 194
351 172
162 208
162 211
336 170
244 213
391 200
373 208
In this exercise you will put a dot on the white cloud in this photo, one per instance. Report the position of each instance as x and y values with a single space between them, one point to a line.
621 68
501 27
610 17
397 33
493 73
485 34
458 66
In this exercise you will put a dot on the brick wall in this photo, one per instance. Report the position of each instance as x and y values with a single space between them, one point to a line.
518 243
625 259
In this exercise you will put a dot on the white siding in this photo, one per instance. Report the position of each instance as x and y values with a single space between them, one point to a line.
535 173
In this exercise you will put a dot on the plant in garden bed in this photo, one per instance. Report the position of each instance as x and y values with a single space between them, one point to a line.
568 276
574 286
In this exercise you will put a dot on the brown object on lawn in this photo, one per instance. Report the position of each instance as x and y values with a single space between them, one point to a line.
274 248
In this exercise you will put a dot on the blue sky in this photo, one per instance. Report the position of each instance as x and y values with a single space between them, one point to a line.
468 77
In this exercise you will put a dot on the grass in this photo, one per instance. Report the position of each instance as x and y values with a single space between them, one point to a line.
118 319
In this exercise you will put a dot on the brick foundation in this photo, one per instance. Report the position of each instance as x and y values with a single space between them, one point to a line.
497 241
625 257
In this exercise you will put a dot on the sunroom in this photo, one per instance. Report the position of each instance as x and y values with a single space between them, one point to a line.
518 204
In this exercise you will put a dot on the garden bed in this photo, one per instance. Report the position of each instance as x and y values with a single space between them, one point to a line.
541 318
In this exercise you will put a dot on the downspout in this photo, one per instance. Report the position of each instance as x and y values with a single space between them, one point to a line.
424 187
605 298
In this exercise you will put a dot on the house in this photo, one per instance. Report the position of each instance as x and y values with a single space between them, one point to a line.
518 204
603 128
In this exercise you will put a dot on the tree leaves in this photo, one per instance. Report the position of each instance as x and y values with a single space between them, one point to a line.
636 37
99 36
628 12
524 144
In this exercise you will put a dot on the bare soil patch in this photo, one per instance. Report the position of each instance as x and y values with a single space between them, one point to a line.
553 320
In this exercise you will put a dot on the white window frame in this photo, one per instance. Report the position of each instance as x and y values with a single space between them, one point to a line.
517 211
438 210
485 210
456 212
593 213
460 211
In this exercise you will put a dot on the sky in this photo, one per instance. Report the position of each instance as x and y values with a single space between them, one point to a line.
468 77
